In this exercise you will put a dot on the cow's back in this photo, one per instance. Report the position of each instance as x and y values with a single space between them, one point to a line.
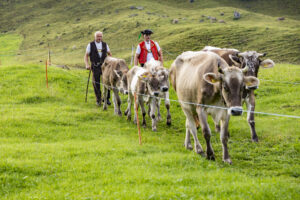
187 75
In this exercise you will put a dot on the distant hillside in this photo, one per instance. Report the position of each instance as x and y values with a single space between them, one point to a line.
67 26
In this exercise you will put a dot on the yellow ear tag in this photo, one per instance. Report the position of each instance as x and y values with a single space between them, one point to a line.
213 81
144 76
266 65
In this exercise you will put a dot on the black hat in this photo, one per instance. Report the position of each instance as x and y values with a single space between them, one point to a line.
147 32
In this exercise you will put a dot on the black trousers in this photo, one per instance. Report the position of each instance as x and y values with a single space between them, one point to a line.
97 72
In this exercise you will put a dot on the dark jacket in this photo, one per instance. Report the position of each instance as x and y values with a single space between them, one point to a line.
94 54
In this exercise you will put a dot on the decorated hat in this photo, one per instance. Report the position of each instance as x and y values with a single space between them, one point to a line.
147 32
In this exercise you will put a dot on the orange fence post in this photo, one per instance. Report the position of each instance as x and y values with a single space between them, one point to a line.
137 120
47 73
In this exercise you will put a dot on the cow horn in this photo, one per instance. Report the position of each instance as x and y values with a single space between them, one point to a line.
261 54
241 54
245 69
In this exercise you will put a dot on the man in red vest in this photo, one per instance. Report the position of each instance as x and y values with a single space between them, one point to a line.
147 50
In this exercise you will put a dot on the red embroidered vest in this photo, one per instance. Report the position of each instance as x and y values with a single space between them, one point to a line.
144 52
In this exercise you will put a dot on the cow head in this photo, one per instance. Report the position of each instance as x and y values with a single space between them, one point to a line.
151 81
231 81
122 84
252 60
163 78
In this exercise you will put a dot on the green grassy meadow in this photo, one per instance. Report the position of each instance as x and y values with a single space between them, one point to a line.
53 145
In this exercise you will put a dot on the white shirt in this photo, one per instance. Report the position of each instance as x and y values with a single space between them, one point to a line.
99 47
148 47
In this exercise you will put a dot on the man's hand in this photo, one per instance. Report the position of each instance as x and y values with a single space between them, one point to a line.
88 67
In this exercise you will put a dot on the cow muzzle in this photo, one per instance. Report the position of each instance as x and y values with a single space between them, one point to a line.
156 93
126 92
235 111
252 87
164 89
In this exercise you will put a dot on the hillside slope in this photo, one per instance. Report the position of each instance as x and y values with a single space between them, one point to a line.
67 26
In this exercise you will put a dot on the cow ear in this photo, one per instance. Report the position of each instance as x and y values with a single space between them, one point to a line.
251 82
235 59
144 77
211 78
268 63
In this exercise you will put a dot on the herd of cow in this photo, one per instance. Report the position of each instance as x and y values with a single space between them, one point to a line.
213 76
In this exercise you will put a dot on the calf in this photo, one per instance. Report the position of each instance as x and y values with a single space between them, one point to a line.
156 67
205 78
251 60
114 77
146 86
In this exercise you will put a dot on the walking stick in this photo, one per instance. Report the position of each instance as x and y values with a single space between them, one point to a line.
87 86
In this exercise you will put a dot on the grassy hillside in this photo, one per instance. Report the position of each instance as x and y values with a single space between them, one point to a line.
72 24
55 146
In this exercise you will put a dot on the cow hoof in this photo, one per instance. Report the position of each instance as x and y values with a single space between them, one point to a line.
125 112
210 157
159 118
154 129
144 126
189 147
169 122
120 114
128 118
134 121
104 108
201 153
228 160
255 139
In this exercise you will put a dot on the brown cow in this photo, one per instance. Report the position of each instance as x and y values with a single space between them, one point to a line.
205 78
250 59
114 77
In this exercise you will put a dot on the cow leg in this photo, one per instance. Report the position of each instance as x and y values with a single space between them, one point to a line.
193 129
128 110
224 139
167 104
117 102
158 109
105 91
217 127
250 116
187 142
152 112
206 132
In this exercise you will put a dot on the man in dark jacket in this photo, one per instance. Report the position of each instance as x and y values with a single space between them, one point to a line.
97 50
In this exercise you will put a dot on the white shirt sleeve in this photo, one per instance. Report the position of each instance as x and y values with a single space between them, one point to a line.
138 50
88 49
157 46
108 50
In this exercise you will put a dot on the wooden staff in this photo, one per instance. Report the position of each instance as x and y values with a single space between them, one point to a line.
87 86
137 120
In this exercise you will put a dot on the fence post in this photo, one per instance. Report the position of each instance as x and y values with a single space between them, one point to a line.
132 49
137 119
49 57
47 73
